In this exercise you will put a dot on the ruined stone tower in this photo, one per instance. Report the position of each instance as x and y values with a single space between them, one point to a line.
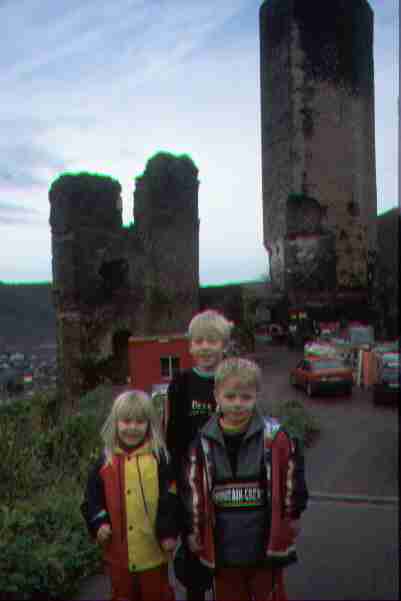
318 150
110 281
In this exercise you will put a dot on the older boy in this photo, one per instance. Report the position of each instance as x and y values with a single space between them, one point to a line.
191 399
191 392
242 491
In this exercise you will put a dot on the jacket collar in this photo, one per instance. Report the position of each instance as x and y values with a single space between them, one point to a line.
213 431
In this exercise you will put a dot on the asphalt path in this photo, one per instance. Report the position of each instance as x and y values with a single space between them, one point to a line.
349 544
356 452
346 551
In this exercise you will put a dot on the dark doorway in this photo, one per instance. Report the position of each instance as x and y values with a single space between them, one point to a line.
120 356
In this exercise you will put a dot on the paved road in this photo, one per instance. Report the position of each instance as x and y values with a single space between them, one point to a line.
347 550
357 451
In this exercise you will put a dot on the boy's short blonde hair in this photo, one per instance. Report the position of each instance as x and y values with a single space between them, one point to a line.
247 372
210 323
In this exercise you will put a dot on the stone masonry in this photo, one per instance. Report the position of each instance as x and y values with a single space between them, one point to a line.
110 281
318 149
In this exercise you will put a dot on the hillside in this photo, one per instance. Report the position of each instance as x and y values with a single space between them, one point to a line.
27 316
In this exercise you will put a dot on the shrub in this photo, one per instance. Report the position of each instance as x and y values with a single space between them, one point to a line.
97 403
44 546
297 420
17 461
37 449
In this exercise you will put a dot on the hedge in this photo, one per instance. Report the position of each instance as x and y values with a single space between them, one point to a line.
45 549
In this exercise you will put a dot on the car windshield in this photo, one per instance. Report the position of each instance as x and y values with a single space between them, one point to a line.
327 364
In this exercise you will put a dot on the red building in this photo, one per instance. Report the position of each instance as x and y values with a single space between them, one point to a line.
154 359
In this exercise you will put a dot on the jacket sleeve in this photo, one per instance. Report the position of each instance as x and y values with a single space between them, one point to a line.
192 492
94 508
176 420
167 518
294 490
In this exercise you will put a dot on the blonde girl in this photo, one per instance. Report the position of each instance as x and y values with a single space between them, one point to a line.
131 501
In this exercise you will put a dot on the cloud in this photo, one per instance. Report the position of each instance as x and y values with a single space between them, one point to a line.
21 163
95 41
12 214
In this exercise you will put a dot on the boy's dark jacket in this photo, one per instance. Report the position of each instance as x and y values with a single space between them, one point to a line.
103 503
285 487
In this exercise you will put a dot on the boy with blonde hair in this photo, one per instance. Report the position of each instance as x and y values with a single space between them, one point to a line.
190 394
244 491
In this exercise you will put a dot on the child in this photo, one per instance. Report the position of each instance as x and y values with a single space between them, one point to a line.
242 491
131 505
191 393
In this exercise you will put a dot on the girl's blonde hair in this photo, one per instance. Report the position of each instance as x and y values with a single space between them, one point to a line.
133 404
210 323
247 372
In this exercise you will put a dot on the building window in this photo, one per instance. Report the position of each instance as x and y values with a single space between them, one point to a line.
169 366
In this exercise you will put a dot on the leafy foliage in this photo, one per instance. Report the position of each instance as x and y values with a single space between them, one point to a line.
297 420
84 183
164 166
44 545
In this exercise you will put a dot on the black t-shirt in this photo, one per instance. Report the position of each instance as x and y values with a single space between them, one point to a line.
191 403
233 443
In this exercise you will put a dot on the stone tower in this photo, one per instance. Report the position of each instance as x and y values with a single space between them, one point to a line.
167 223
318 148
110 281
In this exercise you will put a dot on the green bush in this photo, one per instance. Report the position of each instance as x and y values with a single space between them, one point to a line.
37 450
17 460
297 420
97 403
44 546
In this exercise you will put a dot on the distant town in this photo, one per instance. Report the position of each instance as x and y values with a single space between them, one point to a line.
26 373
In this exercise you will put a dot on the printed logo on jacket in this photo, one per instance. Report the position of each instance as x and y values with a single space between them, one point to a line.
201 408
239 495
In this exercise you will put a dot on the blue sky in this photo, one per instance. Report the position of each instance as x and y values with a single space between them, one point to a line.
101 86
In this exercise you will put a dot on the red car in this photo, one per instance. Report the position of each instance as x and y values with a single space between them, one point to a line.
322 374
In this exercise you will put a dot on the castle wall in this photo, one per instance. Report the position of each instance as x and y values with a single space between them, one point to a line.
110 282
387 272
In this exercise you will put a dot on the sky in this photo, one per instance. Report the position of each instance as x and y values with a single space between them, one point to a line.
101 86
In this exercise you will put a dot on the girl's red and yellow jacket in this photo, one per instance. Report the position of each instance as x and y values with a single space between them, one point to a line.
134 493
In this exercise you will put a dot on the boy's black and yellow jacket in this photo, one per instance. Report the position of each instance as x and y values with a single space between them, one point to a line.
133 492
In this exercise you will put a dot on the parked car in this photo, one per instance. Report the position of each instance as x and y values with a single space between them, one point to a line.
387 387
322 374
